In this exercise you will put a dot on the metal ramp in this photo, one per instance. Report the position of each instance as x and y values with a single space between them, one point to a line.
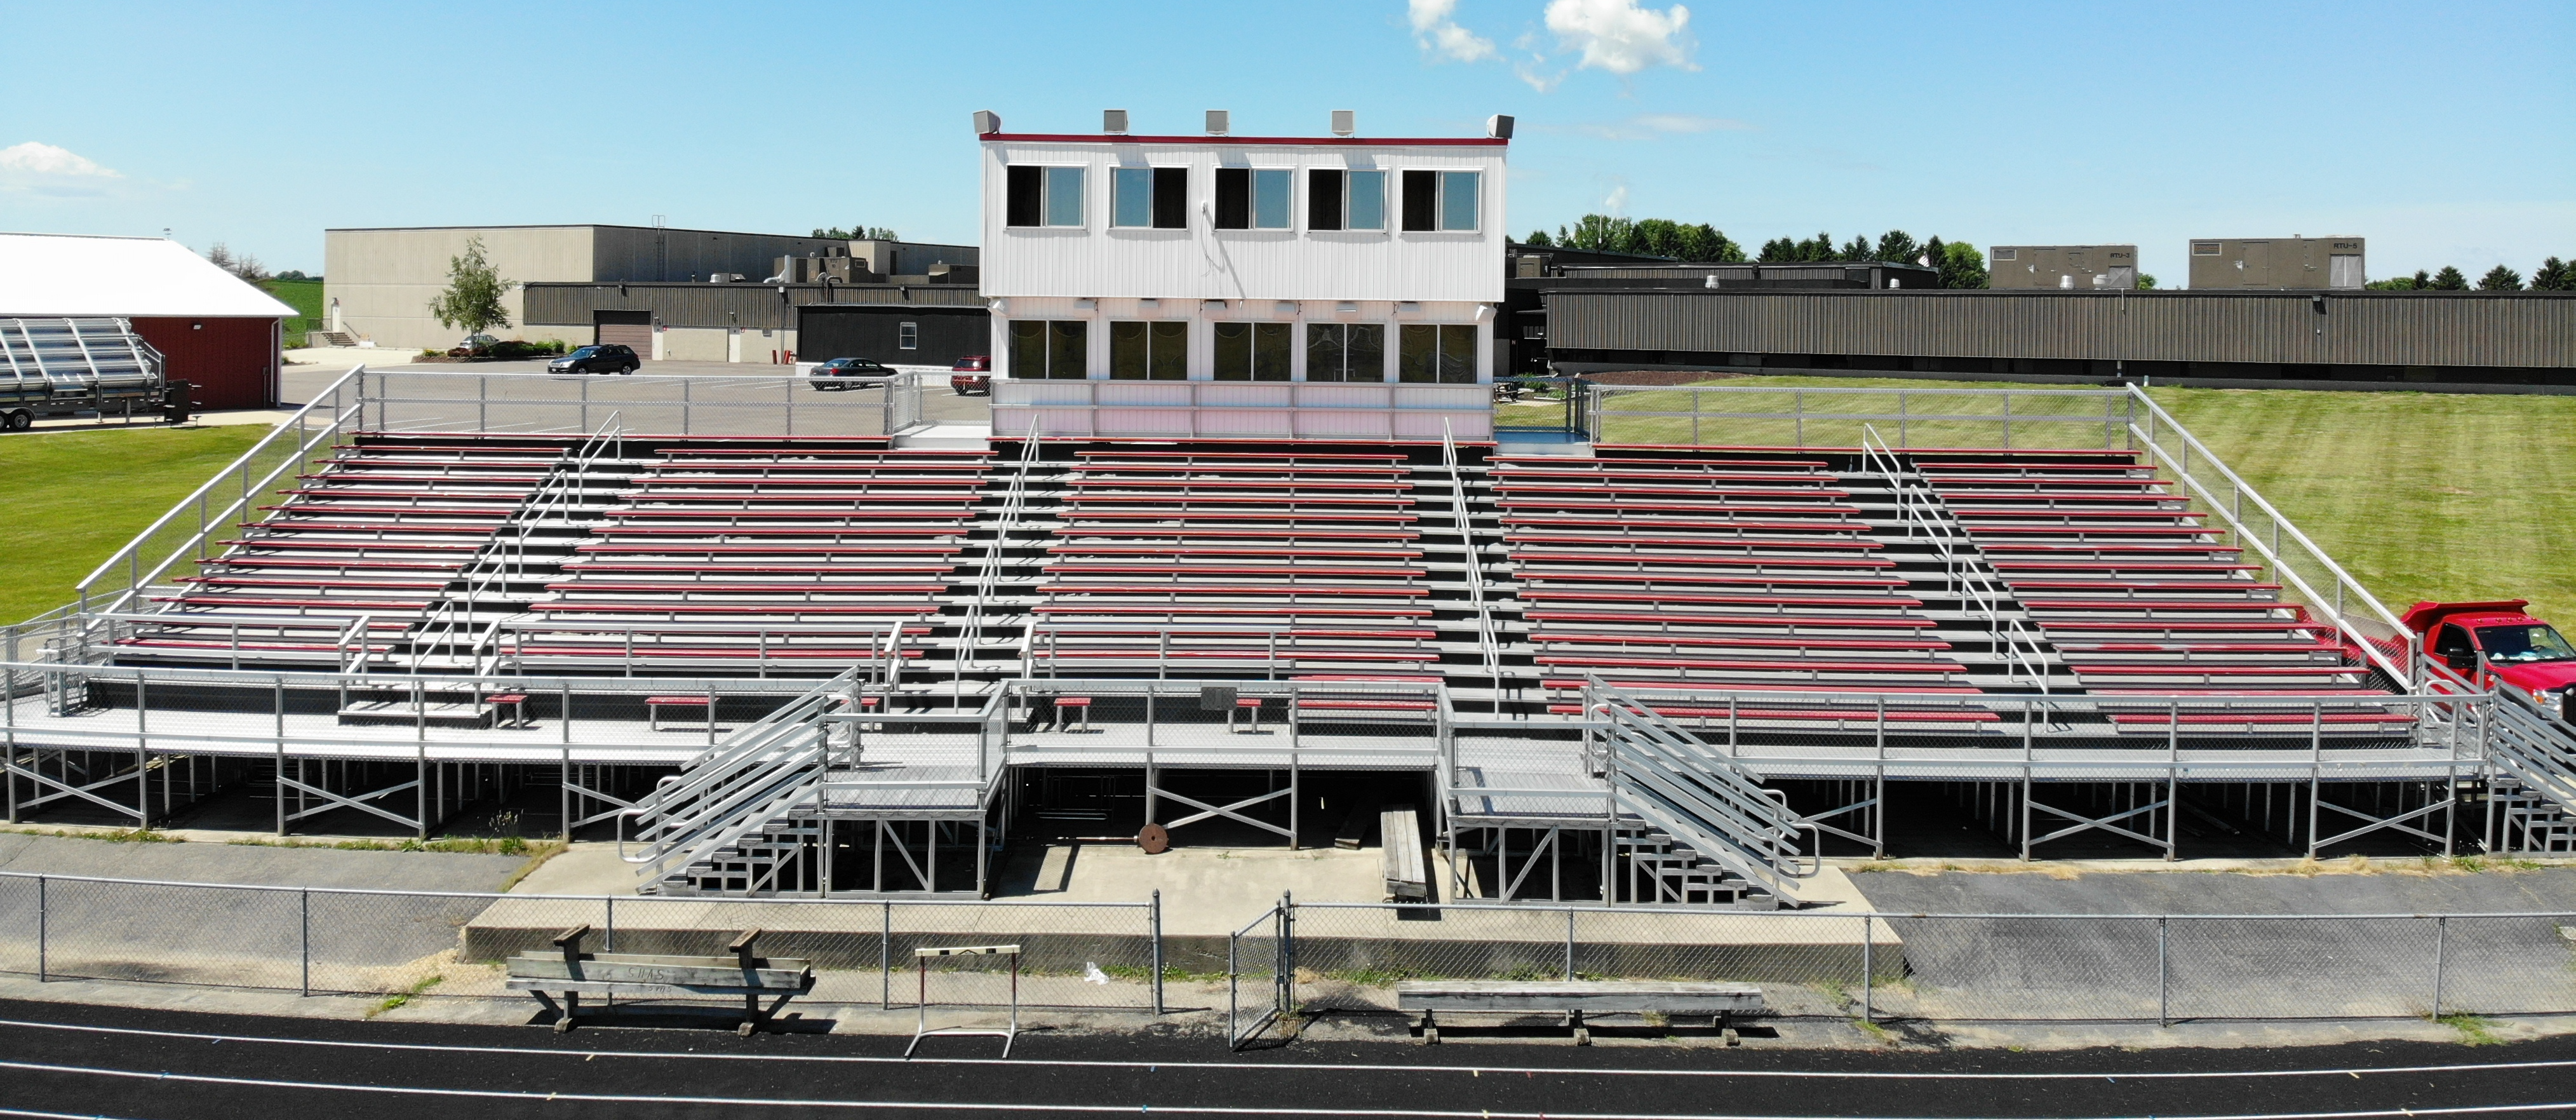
1712 832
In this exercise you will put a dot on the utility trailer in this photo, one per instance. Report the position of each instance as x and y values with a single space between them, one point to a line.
82 367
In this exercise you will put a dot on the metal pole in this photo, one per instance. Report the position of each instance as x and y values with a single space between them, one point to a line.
1868 962
2164 1000
1569 914
43 927
1155 933
885 947
608 938
2441 953
304 949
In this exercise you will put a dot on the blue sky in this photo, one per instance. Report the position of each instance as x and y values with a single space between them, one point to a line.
2444 133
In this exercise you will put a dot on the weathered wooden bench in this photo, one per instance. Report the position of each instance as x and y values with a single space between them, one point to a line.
575 973
1400 841
1576 998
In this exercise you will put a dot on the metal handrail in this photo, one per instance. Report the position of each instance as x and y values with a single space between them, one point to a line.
1714 804
505 560
743 782
130 557
1475 562
2411 673
1014 503
1916 506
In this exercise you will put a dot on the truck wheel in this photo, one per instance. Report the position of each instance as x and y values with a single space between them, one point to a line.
21 420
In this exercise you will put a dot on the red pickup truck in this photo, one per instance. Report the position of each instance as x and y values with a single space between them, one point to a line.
2498 646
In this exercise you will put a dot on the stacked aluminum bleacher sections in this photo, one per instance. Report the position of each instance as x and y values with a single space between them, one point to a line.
1218 563
761 557
1699 572
91 362
2134 590
352 560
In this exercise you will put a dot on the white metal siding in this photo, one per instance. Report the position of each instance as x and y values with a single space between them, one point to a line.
1205 263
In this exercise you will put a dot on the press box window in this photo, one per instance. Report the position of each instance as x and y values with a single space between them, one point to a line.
907 336
1043 196
1149 351
1251 351
1345 351
1247 198
1150 197
1042 349
1447 201
1338 199
1443 353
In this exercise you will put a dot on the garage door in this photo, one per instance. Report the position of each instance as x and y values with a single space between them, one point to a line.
625 328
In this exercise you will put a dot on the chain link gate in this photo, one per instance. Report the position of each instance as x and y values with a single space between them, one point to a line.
1260 974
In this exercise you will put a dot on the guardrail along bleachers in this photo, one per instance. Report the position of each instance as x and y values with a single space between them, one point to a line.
1704 571
760 556
378 532
1181 561
2136 591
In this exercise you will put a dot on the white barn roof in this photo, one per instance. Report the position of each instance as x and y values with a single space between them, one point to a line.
44 274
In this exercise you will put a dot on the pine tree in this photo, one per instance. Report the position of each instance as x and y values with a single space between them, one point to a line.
1537 237
2449 280
1898 246
2500 279
2553 275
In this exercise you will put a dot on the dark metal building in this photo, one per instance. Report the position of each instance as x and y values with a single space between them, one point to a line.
1536 270
2509 338
899 324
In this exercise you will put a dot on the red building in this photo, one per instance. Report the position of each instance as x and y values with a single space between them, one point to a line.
219 334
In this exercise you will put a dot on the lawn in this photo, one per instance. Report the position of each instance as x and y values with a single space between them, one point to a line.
82 495
305 296
2418 495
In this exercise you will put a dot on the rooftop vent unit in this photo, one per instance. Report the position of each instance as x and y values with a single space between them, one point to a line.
1345 122
987 122
1217 123
1499 127
1113 121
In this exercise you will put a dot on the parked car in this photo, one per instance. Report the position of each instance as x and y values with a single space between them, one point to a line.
2496 645
605 358
972 375
852 373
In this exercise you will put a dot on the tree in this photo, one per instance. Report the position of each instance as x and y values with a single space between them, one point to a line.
245 266
472 301
1817 248
1962 266
2553 275
1703 244
1856 249
1537 237
297 275
2146 282
1654 237
2500 279
2449 280
2400 283
1898 246
859 233
1599 233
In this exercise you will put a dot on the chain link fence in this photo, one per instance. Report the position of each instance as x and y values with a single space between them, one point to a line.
330 941
504 404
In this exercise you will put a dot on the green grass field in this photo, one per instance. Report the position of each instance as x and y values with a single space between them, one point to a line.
2418 495
81 495
305 296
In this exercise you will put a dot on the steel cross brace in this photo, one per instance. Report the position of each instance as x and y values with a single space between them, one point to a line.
70 790
1228 812
585 791
353 801
2397 822
2085 823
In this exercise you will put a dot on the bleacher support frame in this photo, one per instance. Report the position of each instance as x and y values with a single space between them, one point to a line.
1676 791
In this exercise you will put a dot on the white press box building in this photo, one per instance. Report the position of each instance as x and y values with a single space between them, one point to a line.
1231 286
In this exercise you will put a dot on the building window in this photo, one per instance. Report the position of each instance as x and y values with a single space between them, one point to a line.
907 336
1441 200
1043 196
1149 351
1338 199
1253 199
2006 254
2204 248
1150 197
1442 353
1345 352
1251 351
1042 349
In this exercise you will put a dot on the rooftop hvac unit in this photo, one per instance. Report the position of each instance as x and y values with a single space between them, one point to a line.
1217 122
1113 121
987 122
1345 122
1499 127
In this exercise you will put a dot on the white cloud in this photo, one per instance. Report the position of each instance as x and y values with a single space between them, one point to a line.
1436 30
1620 37
33 159
1616 202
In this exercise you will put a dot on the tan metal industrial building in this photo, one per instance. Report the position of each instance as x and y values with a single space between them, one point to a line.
2276 262
2088 267
380 282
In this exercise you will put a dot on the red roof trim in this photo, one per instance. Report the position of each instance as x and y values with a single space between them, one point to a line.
1282 141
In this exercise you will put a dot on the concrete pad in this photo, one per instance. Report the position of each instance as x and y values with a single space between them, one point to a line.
212 860
583 868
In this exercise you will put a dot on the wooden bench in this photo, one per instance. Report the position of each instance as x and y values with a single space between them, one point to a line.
1400 844
1574 999
575 974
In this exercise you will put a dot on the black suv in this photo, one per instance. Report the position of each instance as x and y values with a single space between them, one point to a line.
852 373
605 358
